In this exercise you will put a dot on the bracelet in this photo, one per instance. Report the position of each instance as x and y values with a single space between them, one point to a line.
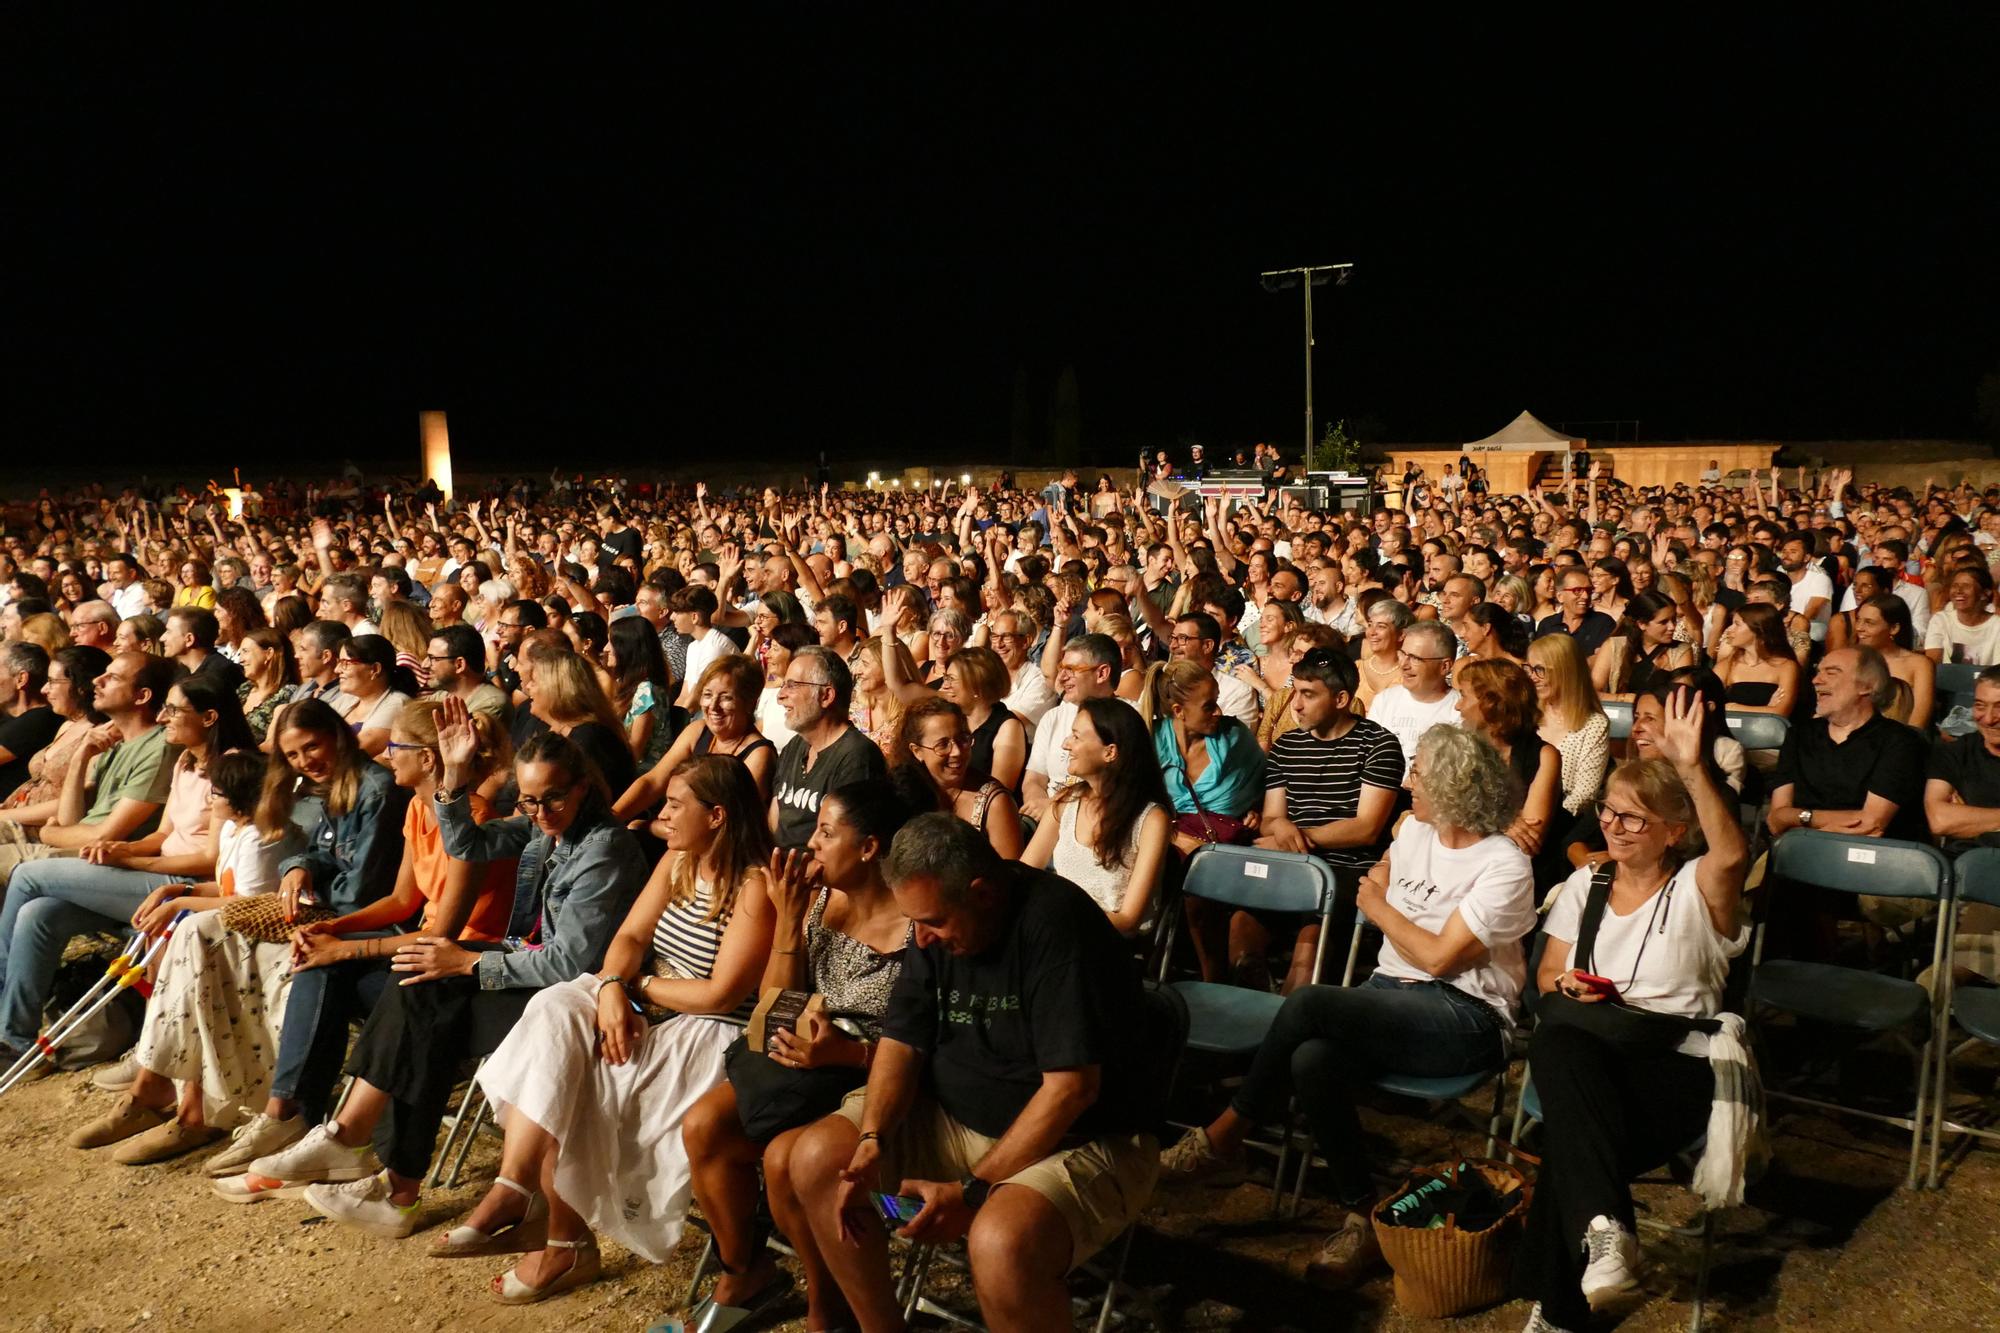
868 1134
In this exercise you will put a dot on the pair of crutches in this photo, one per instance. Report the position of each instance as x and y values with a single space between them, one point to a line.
128 969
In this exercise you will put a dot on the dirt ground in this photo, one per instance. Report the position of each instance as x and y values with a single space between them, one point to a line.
1827 1241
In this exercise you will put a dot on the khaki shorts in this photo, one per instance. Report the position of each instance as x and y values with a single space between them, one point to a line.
18 847
1100 1188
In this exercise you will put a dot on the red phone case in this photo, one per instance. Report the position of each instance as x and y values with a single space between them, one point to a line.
1602 985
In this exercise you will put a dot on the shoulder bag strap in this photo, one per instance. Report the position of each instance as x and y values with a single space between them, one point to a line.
1593 914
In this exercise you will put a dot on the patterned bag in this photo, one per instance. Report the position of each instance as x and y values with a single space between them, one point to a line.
261 916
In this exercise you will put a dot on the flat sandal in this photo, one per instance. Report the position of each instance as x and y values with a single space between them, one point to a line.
589 1264
526 1232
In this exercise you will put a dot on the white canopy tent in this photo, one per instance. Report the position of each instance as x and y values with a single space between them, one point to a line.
1524 434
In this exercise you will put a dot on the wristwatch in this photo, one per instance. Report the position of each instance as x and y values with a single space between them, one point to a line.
1805 819
975 1191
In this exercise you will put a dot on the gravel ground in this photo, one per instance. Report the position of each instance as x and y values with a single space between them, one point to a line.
1827 1241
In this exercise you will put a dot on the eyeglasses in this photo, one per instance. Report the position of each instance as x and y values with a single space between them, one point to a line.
784 685
1403 656
535 805
1627 823
1537 671
405 745
950 744
172 710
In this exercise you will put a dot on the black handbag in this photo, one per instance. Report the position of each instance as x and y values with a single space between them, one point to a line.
1631 1030
771 1098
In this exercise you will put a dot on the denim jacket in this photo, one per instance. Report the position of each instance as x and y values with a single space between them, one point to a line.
570 894
353 858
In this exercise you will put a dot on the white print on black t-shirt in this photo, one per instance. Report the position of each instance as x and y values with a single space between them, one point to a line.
800 798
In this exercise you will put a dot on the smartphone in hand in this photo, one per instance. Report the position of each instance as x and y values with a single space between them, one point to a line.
898 1210
1604 986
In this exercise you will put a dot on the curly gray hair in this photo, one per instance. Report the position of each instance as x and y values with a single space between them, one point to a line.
1468 784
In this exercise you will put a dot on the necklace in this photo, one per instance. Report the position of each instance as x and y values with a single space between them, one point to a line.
1655 923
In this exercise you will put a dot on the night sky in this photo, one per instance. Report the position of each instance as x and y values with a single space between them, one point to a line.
876 234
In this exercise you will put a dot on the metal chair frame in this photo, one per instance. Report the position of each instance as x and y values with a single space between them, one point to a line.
1977 877
1806 856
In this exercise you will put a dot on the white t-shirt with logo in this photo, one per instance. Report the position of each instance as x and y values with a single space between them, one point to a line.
1491 885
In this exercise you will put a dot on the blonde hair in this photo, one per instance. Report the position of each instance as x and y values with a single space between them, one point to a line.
46 630
493 749
1572 698
1658 789
407 627
892 707
982 672
570 694
1170 685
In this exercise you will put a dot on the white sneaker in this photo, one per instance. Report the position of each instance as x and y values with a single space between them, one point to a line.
261 1137
365 1205
119 1077
1195 1158
1539 1323
317 1156
1611 1277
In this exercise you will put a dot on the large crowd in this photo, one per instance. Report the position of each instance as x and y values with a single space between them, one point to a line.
556 779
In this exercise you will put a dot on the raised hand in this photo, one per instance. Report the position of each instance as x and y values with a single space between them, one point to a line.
701 490
322 535
458 743
1680 740
895 603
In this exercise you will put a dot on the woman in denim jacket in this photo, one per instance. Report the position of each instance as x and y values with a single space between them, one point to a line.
580 870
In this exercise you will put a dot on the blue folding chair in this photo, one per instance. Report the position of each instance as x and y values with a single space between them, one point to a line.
1445 1091
1228 1020
1882 1006
1756 731
1232 1021
1955 681
1976 876
1619 712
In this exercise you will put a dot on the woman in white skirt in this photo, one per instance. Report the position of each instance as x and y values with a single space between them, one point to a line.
590 1091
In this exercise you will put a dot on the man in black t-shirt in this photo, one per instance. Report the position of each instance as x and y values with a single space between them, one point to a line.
1575 616
1009 1092
1851 769
27 723
1962 794
826 753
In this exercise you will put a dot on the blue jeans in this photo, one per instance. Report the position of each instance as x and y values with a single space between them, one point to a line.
313 1044
1328 1041
49 903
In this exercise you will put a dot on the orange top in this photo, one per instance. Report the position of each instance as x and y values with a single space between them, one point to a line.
495 879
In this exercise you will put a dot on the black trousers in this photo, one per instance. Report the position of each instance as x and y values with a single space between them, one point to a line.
412 1048
1608 1116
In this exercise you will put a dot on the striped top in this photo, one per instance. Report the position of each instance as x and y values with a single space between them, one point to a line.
685 942
1323 780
